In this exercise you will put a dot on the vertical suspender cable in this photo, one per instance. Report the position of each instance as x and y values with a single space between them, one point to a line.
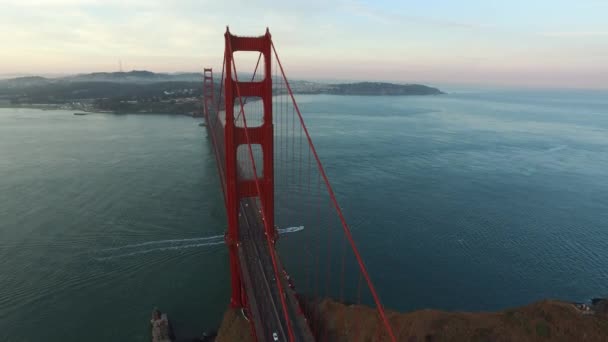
334 202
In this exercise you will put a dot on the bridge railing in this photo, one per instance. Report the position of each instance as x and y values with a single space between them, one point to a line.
214 119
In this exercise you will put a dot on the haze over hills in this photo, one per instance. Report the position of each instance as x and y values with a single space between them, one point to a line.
141 91
144 76
135 76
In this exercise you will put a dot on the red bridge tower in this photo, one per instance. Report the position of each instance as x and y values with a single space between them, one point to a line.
237 187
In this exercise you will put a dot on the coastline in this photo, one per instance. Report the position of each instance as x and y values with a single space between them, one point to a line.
81 111
546 320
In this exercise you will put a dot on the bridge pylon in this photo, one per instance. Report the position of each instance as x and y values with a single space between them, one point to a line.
239 188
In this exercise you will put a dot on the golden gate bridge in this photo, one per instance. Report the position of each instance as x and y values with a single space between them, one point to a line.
271 176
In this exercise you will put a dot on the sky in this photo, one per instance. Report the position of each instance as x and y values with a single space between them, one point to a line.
553 43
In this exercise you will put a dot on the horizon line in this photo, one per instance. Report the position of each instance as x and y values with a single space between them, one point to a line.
457 83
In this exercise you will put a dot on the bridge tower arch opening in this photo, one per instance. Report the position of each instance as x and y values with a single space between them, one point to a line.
239 187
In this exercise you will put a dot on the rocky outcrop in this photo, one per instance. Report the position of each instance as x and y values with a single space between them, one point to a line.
234 328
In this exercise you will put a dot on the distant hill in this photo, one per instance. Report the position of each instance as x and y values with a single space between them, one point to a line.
141 91
132 77
381 88
135 76
26 81
148 77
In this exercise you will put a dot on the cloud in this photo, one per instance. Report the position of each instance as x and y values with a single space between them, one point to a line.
392 18
575 34
328 35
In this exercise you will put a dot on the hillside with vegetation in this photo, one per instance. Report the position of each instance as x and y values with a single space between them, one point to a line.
149 92
547 320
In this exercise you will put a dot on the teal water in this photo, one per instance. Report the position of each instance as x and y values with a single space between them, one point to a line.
74 186
477 200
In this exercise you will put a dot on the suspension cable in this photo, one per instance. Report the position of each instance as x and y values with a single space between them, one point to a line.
334 202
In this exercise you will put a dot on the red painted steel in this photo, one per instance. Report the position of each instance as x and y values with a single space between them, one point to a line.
293 169
208 102
263 135
236 188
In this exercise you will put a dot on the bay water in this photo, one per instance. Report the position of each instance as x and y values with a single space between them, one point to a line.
474 200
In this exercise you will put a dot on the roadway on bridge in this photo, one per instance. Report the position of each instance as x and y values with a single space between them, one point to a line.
260 283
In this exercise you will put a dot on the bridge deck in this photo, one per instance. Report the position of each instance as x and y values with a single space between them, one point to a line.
260 283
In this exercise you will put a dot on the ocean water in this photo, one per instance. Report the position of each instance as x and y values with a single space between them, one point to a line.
476 200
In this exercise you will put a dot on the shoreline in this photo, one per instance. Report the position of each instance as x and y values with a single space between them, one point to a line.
544 320
84 112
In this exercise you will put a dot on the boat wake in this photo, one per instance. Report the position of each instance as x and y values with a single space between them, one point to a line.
170 248
162 242
290 229
171 245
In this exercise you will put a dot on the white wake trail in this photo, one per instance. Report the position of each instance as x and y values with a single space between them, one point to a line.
176 244
290 229
171 248
160 242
